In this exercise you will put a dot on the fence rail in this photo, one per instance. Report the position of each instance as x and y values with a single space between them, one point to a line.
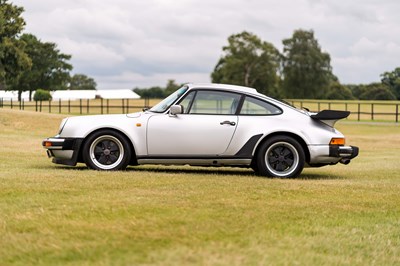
96 106
359 110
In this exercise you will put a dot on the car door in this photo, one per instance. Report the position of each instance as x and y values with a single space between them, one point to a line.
205 128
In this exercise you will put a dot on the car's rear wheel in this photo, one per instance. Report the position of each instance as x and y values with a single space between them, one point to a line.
281 156
106 150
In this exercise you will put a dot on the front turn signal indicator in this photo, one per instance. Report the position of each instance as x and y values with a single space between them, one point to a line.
337 141
47 144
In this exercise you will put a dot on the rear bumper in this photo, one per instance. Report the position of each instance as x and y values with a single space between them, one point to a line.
63 150
345 152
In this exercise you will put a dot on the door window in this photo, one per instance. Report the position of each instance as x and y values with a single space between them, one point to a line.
214 102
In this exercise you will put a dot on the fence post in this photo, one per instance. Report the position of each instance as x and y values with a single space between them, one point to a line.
20 104
329 106
49 106
108 106
59 106
69 106
80 106
127 106
11 103
36 107
87 106
101 106
359 108
123 106
372 111
397 113
40 105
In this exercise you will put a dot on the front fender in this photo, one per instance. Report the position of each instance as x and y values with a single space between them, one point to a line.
133 127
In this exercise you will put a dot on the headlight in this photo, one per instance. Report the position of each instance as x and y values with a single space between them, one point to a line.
62 125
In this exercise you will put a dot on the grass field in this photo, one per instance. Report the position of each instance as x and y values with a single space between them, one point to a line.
337 215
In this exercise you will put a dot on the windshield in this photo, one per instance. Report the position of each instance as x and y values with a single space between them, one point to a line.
163 106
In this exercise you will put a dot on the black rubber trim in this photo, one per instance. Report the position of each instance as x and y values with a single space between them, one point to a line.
334 152
173 157
248 147
70 144
331 115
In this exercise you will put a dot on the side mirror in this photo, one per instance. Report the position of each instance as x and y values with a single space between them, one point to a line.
175 110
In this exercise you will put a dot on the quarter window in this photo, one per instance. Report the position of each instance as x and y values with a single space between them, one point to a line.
253 106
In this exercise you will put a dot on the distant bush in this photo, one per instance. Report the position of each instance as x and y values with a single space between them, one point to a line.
373 91
42 95
339 92
378 93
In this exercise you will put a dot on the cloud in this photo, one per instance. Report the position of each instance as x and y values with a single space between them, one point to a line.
131 80
146 42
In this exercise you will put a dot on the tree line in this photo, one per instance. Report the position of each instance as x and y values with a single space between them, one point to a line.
29 64
301 71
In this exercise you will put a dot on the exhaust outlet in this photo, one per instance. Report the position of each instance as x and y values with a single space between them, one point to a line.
345 161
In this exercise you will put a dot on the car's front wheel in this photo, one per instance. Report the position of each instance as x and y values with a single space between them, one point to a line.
281 156
106 150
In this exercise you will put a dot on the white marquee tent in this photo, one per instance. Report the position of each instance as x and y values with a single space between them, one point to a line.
13 95
117 94
73 95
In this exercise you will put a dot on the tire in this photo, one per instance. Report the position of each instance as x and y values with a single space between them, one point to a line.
281 156
106 150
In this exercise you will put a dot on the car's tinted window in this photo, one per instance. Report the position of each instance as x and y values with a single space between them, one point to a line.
253 106
214 102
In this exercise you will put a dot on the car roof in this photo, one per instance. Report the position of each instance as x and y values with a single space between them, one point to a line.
235 88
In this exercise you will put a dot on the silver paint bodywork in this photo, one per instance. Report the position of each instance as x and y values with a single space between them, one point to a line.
200 139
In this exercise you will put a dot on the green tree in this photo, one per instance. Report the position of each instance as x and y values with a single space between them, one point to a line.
373 91
153 92
158 92
171 87
392 80
81 82
249 61
13 59
338 91
307 72
50 68
377 91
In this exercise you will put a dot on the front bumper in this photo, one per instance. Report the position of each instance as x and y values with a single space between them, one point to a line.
63 150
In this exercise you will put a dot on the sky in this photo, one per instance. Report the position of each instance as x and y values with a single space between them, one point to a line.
124 44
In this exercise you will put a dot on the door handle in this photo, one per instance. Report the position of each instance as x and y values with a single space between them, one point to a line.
228 123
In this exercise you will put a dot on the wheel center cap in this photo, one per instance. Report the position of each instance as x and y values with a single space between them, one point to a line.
106 152
281 158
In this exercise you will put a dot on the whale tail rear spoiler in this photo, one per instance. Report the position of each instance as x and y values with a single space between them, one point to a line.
330 117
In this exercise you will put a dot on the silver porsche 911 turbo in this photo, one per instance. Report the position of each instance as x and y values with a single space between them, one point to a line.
206 125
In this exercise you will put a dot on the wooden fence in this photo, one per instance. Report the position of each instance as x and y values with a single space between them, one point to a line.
96 106
359 110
